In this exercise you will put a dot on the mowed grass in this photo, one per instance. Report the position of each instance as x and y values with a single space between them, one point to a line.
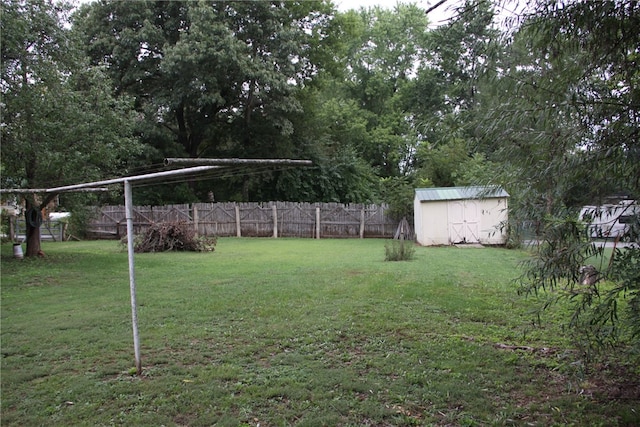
278 332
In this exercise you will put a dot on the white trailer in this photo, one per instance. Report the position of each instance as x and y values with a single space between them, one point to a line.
610 220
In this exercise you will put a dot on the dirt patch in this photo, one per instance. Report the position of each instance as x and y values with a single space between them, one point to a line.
615 383
353 273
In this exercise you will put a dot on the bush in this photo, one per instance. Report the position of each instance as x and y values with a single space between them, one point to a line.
399 250
172 236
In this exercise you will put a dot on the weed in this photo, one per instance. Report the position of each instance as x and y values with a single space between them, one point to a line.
399 250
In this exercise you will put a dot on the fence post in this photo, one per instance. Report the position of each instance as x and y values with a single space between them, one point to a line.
238 231
362 223
275 220
317 222
195 218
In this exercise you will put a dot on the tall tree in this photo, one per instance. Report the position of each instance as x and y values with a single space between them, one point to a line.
385 53
449 92
60 122
328 132
213 78
566 126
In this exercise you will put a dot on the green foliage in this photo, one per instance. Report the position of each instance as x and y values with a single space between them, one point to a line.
399 250
562 250
398 192
252 79
330 132
441 164
604 310
212 79
345 177
449 90
563 137
4 226
476 170
463 52
625 272
81 214
384 54
62 124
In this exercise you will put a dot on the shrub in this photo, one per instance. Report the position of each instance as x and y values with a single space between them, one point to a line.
399 250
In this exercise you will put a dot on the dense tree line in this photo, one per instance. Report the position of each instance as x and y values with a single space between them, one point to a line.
373 96
545 106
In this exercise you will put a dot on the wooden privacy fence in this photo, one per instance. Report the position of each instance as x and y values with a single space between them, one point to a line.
271 219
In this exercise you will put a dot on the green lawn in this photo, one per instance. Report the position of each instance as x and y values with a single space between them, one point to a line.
286 332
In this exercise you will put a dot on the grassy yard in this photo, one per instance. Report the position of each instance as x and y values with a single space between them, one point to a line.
287 332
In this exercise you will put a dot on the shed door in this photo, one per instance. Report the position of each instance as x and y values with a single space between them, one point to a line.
463 221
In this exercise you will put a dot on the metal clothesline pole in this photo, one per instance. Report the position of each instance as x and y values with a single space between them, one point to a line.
128 203
46 190
236 162
134 178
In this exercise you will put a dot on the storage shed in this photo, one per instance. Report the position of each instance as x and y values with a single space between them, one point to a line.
450 215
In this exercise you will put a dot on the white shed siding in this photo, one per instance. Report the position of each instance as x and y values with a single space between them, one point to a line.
434 224
494 215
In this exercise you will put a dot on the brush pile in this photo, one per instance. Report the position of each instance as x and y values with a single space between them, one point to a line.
172 236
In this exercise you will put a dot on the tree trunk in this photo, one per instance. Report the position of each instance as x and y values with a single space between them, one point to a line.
190 137
183 134
32 230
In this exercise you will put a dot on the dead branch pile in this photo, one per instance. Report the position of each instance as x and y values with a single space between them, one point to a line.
172 236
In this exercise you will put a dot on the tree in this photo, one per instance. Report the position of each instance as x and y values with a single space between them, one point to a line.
328 131
60 123
386 50
210 78
463 56
564 125
356 124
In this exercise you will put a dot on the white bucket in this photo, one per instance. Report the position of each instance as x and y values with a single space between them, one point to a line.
17 251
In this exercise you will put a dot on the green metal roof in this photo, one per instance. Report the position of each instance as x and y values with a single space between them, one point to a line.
459 193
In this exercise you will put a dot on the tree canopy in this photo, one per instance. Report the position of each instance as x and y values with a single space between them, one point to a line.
211 79
61 123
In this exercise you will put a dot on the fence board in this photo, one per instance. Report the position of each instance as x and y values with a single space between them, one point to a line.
254 219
